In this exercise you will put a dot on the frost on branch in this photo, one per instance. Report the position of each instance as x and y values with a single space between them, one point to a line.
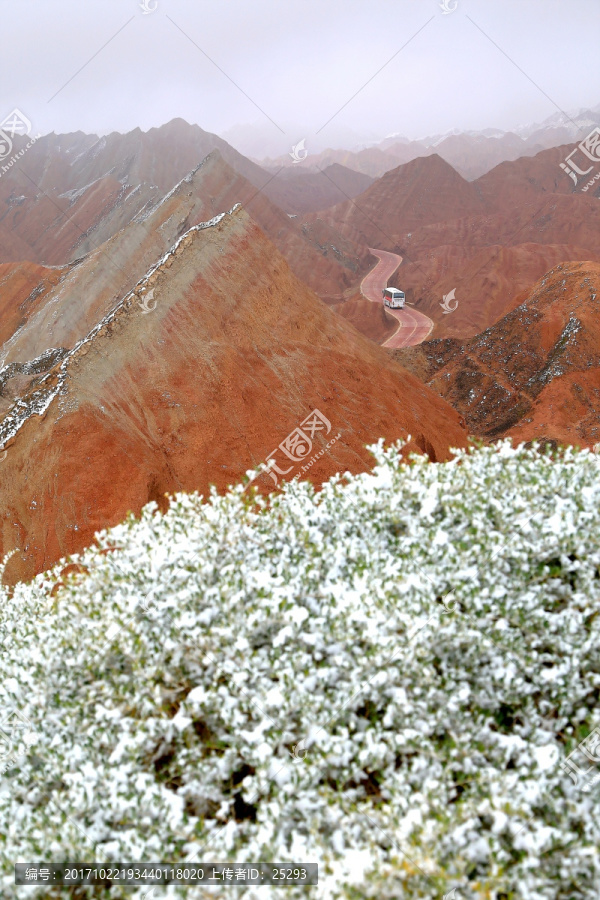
392 677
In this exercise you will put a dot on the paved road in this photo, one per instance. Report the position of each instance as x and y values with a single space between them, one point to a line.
413 327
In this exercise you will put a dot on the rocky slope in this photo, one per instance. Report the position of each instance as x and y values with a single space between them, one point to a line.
24 288
512 184
535 374
88 290
422 192
68 196
72 190
529 220
299 190
483 284
197 375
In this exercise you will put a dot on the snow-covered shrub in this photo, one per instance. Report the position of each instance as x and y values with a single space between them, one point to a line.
385 677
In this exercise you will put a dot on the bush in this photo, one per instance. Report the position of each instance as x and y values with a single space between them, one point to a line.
383 677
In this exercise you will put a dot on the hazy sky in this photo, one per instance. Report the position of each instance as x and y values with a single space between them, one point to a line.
288 67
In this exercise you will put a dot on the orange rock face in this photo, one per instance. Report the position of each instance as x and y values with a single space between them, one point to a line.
369 318
532 375
23 290
235 353
486 283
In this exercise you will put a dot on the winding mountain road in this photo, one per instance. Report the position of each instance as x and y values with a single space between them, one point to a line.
413 327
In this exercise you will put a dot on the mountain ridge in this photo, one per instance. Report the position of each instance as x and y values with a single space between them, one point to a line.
189 381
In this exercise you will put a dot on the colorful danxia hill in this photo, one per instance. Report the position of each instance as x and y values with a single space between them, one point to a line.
171 312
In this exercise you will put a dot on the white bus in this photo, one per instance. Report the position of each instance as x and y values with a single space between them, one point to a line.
393 298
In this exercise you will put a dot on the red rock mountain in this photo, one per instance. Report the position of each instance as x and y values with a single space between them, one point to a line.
532 220
68 187
534 374
512 184
23 289
303 190
486 283
69 196
233 356
422 192
487 241
472 155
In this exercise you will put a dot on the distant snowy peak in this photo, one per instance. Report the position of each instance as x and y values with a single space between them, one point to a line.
436 139
574 122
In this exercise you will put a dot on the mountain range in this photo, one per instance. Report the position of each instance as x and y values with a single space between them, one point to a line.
171 314
471 153
194 375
